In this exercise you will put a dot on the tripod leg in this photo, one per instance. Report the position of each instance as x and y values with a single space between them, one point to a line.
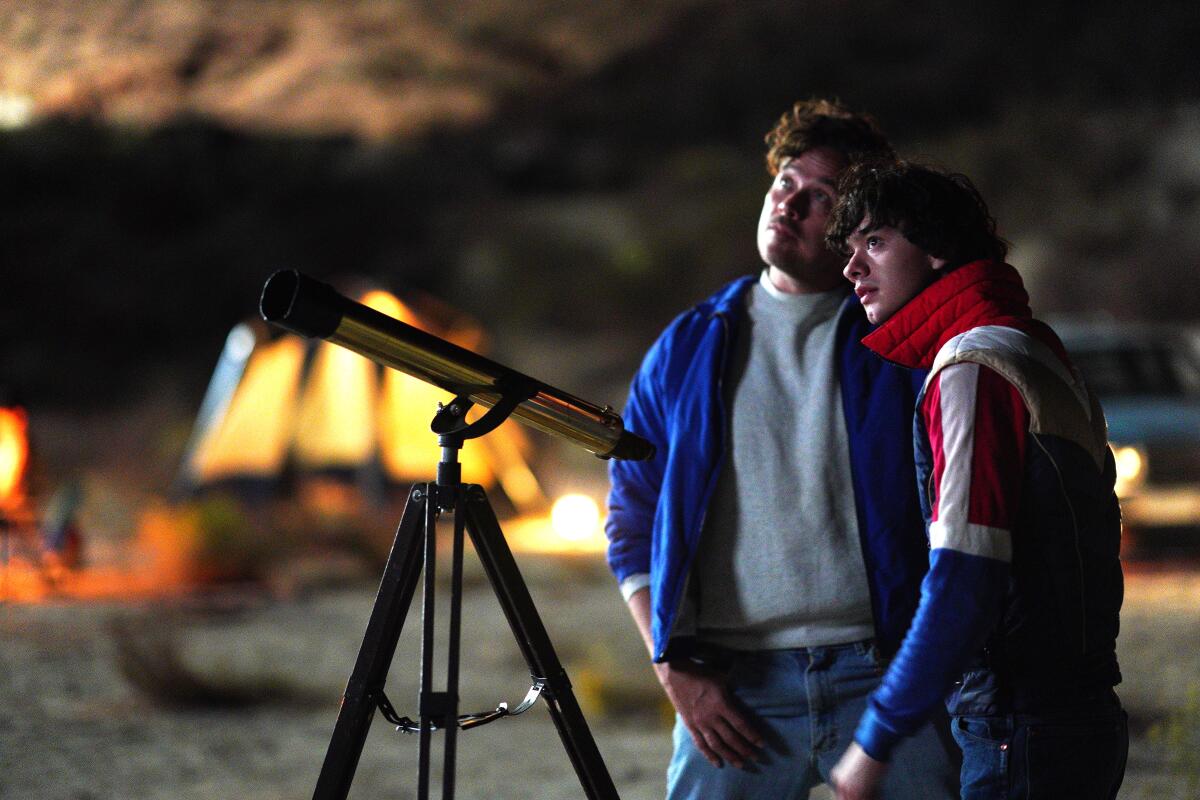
378 648
449 761
426 696
535 645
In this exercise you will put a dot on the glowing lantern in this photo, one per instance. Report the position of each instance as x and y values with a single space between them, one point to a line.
1131 469
574 526
14 453
574 517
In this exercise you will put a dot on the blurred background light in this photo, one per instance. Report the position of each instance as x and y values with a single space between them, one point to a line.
14 450
16 111
575 517
1131 468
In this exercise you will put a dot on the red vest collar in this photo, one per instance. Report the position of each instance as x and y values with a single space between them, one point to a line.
978 293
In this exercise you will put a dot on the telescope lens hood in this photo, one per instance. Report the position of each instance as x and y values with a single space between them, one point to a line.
301 304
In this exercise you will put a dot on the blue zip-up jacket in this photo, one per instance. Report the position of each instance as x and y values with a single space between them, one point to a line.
656 508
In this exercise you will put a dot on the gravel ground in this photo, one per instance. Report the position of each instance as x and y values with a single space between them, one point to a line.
235 695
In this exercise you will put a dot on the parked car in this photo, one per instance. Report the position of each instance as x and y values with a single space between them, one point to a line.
1147 377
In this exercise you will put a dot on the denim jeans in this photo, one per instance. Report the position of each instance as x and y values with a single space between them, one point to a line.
1066 755
807 703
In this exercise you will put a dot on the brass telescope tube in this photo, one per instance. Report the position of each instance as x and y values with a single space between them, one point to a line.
306 306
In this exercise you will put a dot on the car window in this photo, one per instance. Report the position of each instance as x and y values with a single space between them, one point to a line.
1150 369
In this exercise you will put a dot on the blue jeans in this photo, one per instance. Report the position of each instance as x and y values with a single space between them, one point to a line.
1066 755
807 704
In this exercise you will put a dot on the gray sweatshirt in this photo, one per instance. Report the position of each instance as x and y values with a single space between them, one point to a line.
780 562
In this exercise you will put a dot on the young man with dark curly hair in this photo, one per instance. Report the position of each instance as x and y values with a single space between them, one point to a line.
771 553
1018 619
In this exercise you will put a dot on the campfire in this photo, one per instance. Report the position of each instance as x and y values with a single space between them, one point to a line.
42 553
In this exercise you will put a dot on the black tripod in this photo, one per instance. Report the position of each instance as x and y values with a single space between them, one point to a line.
414 547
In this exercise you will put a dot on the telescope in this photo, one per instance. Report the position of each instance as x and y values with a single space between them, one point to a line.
311 308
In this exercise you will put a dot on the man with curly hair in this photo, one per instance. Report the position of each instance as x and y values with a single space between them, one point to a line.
771 553
1018 619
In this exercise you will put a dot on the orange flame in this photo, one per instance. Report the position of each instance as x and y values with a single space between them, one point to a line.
14 454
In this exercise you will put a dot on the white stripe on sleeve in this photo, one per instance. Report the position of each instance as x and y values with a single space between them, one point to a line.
957 384
975 540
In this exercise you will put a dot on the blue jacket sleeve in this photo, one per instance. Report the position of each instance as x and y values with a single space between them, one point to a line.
635 485
960 603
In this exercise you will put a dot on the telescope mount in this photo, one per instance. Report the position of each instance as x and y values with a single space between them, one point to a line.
414 549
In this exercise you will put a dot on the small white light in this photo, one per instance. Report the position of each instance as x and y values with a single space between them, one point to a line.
575 517
1129 463
1131 468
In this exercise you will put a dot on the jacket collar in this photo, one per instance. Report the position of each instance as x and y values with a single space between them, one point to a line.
978 293
728 299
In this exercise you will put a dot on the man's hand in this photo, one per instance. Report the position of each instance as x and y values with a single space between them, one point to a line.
857 775
720 731
700 696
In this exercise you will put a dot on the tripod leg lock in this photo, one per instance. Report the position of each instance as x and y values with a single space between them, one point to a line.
387 709
465 721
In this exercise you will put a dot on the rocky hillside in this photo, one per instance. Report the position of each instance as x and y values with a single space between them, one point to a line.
378 69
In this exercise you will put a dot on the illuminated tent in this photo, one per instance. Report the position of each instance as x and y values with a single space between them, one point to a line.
285 403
